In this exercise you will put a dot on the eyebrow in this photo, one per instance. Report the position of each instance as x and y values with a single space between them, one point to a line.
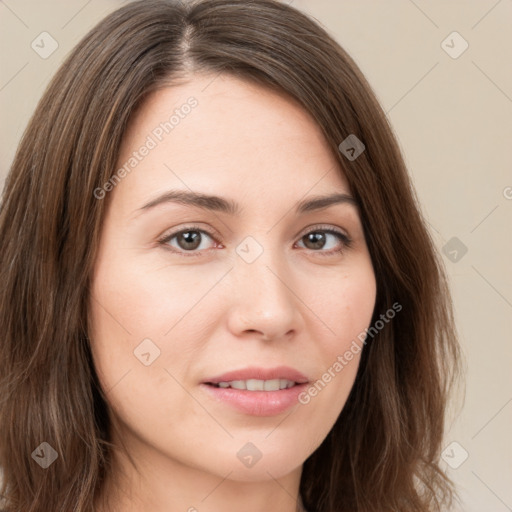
220 204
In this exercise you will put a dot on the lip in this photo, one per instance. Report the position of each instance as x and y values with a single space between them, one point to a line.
253 372
257 403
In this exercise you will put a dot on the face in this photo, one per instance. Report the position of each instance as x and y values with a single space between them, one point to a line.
217 264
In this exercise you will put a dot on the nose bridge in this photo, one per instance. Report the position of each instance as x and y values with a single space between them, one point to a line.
261 269
264 300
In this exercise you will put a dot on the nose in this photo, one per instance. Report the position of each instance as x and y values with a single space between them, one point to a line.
264 301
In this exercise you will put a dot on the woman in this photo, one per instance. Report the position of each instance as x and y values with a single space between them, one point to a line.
218 289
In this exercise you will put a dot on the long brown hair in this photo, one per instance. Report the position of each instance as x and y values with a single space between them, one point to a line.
382 453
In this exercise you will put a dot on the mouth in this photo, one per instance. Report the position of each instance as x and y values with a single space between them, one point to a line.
255 384
257 391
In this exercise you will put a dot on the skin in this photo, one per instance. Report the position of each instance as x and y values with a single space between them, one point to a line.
297 304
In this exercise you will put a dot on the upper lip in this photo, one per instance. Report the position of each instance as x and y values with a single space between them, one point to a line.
253 372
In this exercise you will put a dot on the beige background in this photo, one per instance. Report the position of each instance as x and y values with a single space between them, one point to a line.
453 118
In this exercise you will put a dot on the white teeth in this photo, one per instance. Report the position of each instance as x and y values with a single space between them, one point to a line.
238 384
258 385
272 385
254 385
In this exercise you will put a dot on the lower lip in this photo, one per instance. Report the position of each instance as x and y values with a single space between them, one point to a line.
257 403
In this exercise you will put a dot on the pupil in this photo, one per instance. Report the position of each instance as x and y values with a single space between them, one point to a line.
317 239
190 239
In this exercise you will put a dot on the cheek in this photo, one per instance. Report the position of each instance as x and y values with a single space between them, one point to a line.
138 301
139 307
346 307
131 310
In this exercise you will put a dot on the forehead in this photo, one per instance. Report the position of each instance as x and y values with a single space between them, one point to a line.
238 138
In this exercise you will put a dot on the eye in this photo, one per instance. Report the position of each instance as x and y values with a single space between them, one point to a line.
325 240
191 239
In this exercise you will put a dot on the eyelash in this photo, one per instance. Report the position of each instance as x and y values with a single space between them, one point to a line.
346 240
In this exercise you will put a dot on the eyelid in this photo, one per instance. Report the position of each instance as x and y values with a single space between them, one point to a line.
327 228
